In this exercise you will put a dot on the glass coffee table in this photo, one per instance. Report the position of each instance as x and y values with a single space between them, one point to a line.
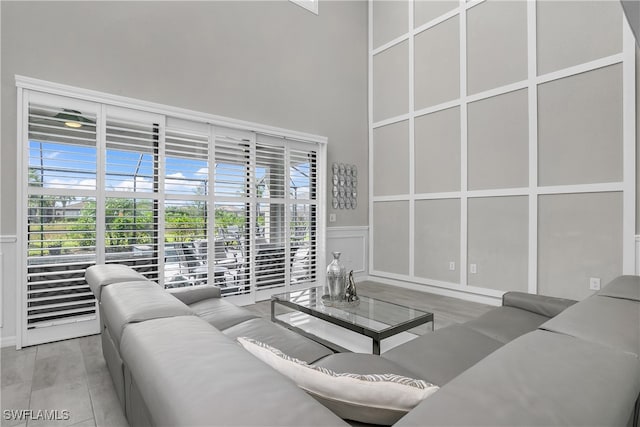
304 312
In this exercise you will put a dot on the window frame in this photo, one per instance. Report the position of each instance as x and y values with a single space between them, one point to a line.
28 87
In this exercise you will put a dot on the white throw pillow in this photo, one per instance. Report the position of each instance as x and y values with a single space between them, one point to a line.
377 399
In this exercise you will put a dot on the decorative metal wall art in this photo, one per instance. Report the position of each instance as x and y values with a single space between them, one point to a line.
344 186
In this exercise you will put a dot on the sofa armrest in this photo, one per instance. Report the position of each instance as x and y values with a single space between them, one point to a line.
539 304
192 294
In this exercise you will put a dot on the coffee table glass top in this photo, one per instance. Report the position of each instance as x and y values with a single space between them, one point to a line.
370 314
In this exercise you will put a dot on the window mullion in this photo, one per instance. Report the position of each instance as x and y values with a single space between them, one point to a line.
211 206
100 183
160 204
253 216
287 216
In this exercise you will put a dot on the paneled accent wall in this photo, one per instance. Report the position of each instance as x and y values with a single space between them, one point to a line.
8 277
502 145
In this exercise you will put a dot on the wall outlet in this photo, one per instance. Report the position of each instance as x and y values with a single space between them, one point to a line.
452 266
332 217
594 283
473 268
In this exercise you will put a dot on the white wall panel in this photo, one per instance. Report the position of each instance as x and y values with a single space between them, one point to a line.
8 292
496 44
353 244
389 21
574 32
437 64
391 82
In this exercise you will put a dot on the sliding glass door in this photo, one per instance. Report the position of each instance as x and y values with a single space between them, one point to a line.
185 203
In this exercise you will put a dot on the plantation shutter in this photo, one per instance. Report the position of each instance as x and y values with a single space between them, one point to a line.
265 192
186 189
184 203
132 186
286 171
302 163
234 178
272 249
61 210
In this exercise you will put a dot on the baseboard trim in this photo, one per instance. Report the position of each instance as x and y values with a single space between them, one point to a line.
467 296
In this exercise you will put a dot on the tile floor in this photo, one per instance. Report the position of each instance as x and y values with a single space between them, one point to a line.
66 375
73 375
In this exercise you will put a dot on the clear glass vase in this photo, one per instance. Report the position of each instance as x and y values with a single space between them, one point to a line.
336 278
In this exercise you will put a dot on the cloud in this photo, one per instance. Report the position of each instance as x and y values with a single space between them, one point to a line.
52 154
175 183
71 183
141 184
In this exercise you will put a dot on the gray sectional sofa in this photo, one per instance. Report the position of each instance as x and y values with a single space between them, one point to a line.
533 361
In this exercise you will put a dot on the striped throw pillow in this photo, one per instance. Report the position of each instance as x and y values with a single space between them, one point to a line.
373 398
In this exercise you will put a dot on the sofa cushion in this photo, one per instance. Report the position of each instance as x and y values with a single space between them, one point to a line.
440 356
279 337
506 323
132 302
381 398
101 275
221 313
192 294
538 304
191 374
360 363
624 287
609 321
539 379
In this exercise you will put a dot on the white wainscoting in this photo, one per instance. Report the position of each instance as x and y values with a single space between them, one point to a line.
637 255
1 286
8 290
353 244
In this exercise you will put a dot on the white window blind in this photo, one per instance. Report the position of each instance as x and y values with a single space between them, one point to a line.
183 202
186 188
302 164
61 206
131 205
271 182
234 177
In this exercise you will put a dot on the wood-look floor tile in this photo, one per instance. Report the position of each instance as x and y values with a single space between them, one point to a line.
58 370
72 397
106 405
58 348
15 397
86 423
17 366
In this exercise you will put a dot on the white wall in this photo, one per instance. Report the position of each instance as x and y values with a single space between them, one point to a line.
270 62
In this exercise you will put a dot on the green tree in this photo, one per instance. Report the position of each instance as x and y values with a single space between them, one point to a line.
185 223
85 225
